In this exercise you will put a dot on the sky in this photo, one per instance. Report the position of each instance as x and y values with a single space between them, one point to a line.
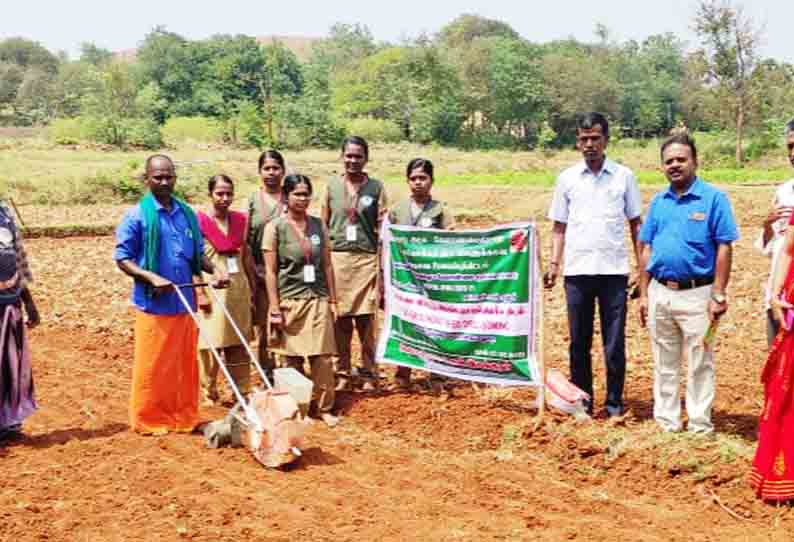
61 25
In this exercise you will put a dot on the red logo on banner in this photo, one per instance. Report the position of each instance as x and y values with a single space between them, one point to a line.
518 241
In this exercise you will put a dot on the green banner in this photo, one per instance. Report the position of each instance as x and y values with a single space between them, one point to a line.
463 304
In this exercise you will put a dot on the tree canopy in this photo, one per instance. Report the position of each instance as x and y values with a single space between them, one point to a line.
476 83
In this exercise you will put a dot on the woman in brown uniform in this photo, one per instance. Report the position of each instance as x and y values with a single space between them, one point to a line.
420 209
263 206
224 233
302 293
353 207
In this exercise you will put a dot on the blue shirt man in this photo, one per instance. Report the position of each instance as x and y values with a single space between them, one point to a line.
685 230
159 256
177 248
686 258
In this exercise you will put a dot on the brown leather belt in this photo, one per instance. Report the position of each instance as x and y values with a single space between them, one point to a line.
687 284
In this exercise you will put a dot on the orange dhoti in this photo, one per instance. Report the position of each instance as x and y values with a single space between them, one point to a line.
165 375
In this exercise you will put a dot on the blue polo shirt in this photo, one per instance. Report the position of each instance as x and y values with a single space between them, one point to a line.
684 232
176 253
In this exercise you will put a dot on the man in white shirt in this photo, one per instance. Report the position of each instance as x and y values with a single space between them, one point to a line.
591 202
773 235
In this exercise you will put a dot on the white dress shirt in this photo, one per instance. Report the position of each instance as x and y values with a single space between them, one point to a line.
594 208
784 197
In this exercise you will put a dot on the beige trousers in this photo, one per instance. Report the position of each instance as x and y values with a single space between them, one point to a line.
678 321
322 373
236 360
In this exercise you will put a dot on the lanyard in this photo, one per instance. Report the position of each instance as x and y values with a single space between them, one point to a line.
305 243
415 219
353 198
275 206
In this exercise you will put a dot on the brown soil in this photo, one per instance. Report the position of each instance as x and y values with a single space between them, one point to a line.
400 466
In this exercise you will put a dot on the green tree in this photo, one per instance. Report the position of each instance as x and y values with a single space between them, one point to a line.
280 81
28 54
310 115
92 54
730 42
149 102
651 76
465 29
577 80
109 108
168 60
466 44
346 46
410 86
33 102
11 76
74 82
516 102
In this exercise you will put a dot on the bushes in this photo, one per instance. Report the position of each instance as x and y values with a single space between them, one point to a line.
247 128
142 133
192 130
118 132
65 131
374 130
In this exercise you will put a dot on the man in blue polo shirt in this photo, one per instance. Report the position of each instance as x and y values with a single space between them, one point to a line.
686 257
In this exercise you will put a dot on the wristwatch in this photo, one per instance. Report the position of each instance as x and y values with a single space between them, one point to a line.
718 298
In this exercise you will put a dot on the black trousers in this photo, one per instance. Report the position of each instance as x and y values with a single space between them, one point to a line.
581 293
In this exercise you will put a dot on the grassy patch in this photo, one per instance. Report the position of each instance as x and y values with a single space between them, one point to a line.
686 455
33 170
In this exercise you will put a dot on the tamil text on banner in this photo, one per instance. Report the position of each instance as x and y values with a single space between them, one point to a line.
464 304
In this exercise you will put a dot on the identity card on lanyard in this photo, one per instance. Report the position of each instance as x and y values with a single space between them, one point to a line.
231 265
351 231
309 273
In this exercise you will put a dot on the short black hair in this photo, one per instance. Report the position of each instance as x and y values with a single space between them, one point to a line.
356 140
151 159
588 121
423 163
292 181
215 179
680 139
272 154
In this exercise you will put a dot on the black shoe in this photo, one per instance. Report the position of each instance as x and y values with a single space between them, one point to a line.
11 432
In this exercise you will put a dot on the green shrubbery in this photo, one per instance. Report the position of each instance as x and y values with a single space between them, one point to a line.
139 133
193 130
374 130
246 128
65 132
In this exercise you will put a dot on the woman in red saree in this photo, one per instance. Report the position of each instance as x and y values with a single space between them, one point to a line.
772 475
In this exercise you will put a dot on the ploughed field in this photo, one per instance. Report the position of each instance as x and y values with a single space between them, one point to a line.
400 466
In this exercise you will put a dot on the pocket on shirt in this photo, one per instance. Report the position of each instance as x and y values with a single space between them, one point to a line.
697 227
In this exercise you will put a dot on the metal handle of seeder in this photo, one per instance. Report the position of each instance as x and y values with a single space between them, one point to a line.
250 413
254 360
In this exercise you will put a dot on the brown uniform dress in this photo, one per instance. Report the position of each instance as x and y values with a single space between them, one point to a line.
308 330
356 266
434 214
237 298
261 210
